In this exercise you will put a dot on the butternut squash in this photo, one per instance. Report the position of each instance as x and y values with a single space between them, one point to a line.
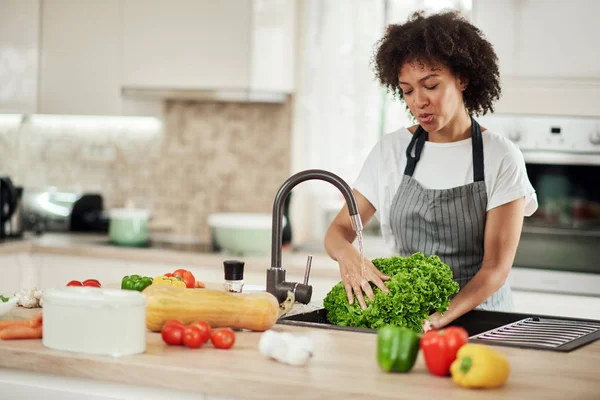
253 311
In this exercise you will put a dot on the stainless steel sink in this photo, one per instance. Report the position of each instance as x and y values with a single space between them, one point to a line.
494 328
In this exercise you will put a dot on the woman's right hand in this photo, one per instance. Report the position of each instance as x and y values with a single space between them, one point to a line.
351 272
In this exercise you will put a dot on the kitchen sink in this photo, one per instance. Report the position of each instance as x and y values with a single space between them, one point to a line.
494 328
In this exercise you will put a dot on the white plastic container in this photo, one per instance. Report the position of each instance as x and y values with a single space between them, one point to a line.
95 321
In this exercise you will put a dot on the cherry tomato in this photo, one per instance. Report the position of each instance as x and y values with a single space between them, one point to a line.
74 283
96 281
168 274
172 334
174 322
192 337
204 328
92 284
187 276
222 338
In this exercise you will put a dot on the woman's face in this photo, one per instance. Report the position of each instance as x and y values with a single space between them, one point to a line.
433 94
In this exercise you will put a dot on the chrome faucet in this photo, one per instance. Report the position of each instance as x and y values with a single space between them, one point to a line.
276 283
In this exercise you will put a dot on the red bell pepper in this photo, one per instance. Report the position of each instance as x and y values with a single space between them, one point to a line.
440 348
186 276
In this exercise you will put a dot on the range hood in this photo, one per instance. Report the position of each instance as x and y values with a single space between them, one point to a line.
218 95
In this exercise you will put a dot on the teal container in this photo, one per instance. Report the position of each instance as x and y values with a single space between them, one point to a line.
129 227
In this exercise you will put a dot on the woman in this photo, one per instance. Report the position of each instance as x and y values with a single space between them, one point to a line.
447 186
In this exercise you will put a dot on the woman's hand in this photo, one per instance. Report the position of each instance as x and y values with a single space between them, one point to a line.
351 272
434 322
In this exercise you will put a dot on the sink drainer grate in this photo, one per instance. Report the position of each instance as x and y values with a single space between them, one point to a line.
540 332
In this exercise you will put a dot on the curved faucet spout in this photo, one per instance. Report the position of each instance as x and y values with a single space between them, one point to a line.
284 191
276 275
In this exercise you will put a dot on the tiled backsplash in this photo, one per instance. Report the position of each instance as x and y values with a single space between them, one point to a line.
208 157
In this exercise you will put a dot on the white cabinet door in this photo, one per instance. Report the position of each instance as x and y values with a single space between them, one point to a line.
186 44
80 70
10 273
273 45
19 55
542 39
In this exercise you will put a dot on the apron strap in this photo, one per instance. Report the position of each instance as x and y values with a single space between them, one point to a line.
420 137
477 141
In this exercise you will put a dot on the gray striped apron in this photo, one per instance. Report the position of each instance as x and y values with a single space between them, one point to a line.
449 223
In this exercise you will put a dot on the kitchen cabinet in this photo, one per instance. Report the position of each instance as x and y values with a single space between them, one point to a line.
19 55
541 39
544 51
80 70
11 274
229 45
18 271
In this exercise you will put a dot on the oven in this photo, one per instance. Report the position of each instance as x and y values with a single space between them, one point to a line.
559 250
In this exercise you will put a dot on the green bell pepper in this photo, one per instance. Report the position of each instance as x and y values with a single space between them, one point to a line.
136 282
397 348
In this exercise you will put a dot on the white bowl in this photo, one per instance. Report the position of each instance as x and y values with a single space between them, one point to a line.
5 308
242 233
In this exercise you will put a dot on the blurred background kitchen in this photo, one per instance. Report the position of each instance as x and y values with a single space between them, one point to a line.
176 110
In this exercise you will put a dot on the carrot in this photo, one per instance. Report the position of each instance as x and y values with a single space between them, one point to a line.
6 324
36 321
17 332
199 285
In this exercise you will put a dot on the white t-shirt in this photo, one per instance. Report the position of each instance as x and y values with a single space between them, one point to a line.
444 166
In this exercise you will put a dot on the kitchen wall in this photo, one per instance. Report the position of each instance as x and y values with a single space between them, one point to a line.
206 157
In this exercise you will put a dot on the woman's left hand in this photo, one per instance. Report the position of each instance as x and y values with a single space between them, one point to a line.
434 322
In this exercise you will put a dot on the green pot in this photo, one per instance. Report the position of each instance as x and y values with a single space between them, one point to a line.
128 227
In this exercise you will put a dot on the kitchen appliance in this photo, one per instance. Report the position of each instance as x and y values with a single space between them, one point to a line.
53 210
559 248
10 209
95 321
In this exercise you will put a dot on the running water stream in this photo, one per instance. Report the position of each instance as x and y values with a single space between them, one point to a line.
361 251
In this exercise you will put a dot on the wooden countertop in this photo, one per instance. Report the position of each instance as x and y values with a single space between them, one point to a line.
343 366
97 246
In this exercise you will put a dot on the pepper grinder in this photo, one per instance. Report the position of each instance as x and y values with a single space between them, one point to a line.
234 275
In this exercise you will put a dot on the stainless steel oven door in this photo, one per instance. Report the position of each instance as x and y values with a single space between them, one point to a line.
564 233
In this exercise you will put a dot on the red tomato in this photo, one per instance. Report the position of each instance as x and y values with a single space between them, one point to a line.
92 284
172 334
174 322
204 328
96 281
168 274
192 337
187 276
74 283
222 338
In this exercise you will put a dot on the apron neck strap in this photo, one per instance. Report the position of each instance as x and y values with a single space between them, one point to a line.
477 142
420 137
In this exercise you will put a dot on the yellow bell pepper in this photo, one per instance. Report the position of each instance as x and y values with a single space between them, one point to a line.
165 280
478 366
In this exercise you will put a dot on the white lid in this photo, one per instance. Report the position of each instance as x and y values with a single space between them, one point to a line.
242 220
93 297
129 213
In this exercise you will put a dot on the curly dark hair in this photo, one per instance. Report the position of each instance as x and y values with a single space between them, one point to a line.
445 38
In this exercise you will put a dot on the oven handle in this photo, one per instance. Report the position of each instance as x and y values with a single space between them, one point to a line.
561 157
560 231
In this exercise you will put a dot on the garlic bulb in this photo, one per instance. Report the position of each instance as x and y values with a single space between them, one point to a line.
29 298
